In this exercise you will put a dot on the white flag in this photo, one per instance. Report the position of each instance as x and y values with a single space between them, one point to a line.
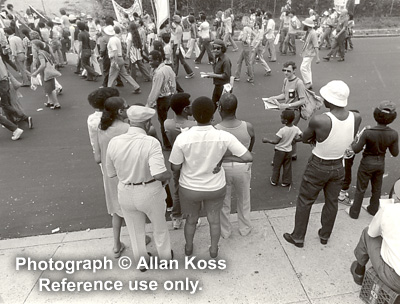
162 11
120 11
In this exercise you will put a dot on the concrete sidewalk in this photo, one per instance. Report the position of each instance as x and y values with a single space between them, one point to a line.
260 268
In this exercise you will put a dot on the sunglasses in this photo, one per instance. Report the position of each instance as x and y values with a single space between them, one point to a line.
286 70
217 48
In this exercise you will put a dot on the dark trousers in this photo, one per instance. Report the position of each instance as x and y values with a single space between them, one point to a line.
7 124
179 89
85 58
369 249
371 169
205 46
11 113
326 175
6 59
338 45
179 57
282 160
348 164
217 93
162 113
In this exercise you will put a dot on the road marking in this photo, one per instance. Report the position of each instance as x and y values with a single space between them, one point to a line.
379 75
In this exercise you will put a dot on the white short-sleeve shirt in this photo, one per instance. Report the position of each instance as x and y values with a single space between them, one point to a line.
199 150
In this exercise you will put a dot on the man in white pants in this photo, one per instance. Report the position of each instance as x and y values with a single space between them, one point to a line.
309 51
137 160
237 175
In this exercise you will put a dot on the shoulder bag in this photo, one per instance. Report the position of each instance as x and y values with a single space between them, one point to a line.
50 72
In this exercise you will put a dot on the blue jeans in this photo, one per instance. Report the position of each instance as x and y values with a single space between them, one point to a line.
205 47
320 174
371 169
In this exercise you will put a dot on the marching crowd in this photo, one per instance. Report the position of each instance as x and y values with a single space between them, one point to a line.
208 161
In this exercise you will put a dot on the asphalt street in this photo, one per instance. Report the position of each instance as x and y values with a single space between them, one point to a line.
49 180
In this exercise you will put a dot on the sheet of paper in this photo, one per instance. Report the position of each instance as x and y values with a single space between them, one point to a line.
269 105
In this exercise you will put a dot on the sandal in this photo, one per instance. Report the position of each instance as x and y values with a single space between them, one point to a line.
48 104
118 253
56 107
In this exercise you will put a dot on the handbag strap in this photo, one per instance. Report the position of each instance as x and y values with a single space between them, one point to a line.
47 58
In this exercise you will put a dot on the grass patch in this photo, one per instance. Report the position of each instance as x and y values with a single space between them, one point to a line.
376 22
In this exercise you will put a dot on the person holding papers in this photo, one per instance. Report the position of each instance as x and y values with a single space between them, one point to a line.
292 96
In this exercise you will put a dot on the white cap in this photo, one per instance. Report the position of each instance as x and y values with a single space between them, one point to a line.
336 92
109 30
140 113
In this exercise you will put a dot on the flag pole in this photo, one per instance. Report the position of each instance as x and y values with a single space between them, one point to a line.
154 12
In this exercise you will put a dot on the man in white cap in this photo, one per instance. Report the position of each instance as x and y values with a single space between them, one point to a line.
309 51
332 132
137 160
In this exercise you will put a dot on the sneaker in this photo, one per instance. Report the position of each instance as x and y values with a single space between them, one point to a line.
191 75
272 183
30 122
268 73
285 185
169 209
17 134
177 223
345 201
250 80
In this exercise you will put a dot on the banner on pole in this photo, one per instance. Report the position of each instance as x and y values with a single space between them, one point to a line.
162 11
36 14
120 11
340 4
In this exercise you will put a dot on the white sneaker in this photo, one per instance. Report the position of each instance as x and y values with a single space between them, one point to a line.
177 223
17 134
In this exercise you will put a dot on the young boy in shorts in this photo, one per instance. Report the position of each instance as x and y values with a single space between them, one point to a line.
283 149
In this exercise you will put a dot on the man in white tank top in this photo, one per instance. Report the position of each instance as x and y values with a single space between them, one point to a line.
237 175
331 132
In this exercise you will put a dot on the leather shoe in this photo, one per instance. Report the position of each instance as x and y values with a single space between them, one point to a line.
358 278
323 241
289 239
144 269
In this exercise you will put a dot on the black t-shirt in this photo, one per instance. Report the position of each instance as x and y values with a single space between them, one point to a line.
85 38
378 140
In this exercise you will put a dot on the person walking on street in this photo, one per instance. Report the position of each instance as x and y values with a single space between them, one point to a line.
163 87
117 63
205 41
309 51
176 39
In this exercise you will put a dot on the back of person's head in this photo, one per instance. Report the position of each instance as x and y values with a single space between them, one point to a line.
203 109
81 25
8 31
41 24
385 113
141 23
62 11
135 15
166 37
109 21
269 15
10 6
191 19
288 116
179 101
110 112
117 30
98 97
292 63
39 44
228 104
25 32
203 17
156 55
50 24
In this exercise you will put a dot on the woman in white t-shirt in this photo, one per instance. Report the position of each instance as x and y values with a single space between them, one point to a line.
228 21
198 154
